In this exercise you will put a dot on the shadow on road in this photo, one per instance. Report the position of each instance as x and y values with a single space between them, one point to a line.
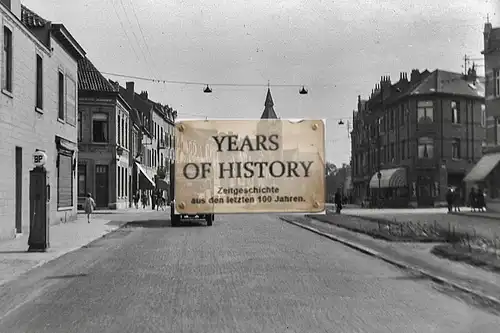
13 252
161 223
68 276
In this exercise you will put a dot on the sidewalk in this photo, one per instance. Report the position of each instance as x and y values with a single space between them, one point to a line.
483 224
415 257
63 238
132 210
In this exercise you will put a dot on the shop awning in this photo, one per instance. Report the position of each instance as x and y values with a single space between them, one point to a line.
390 178
483 168
145 182
162 184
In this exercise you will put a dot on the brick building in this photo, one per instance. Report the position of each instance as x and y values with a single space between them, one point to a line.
37 111
103 140
414 138
486 173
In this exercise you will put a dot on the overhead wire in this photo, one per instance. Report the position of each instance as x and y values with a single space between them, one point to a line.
131 44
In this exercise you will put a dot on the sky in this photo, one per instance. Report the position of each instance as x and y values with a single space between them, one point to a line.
336 49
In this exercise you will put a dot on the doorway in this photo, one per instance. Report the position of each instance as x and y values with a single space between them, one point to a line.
19 190
101 186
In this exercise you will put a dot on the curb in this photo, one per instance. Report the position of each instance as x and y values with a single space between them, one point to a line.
397 263
486 217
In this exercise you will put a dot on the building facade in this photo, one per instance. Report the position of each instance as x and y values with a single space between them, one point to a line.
486 173
155 141
414 138
103 140
38 102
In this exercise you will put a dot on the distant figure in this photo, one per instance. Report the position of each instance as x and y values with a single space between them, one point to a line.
449 199
473 200
457 199
481 202
89 206
136 200
338 201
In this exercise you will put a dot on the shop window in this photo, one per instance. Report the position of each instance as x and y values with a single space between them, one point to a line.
64 180
82 180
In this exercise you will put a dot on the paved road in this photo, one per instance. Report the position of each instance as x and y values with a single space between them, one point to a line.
244 274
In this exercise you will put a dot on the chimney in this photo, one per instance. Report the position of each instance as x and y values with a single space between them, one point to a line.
14 6
471 73
415 75
144 95
130 89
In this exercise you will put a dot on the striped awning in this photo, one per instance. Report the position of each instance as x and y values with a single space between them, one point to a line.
483 168
145 182
390 178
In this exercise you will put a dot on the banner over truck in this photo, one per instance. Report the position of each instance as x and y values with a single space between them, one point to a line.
250 166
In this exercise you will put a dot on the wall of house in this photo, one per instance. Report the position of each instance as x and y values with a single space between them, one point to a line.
123 175
492 62
21 126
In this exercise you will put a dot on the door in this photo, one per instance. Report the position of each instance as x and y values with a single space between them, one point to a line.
101 186
19 190
425 197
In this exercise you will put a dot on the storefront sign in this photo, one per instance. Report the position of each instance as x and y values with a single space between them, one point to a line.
250 166
39 158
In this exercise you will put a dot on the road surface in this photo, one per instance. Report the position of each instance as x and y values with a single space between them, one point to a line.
247 273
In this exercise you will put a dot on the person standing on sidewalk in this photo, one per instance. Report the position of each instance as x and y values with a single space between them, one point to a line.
89 206
457 199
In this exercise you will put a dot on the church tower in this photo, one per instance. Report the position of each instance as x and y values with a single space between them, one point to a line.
268 115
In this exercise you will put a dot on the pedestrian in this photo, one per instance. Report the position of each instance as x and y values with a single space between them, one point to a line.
481 202
144 199
338 201
457 199
89 206
449 199
136 200
473 200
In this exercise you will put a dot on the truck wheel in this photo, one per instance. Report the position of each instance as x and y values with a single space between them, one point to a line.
210 219
176 220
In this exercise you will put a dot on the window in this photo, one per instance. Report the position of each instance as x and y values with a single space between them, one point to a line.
100 127
425 147
123 131
80 126
483 116
401 115
425 112
455 149
7 60
82 180
497 130
123 181
39 82
118 181
403 150
119 138
64 180
61 96
496 84
70 101
393 152
455 112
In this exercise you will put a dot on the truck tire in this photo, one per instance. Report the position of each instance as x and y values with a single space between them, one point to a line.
209 218
175 219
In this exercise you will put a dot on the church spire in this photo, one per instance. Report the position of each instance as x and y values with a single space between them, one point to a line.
269 112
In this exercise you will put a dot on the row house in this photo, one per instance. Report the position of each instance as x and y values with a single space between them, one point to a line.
104 144
152 165
38 111
486 173
413 139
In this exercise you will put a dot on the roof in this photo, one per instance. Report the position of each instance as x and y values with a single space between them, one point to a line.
269 112
31 19
90 79
444 82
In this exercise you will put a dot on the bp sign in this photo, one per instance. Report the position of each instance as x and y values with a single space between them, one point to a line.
39 158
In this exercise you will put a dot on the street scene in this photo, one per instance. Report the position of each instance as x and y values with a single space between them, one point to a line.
249 166
248 273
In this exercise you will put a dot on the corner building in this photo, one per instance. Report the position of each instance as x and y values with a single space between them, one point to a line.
38 110
414 138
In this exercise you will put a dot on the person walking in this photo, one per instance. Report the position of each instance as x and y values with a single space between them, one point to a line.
449 199
89 206
457 199
338 201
